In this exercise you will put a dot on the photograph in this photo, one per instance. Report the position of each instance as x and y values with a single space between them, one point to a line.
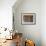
28 18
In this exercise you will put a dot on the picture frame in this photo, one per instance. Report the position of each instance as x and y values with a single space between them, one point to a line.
28 18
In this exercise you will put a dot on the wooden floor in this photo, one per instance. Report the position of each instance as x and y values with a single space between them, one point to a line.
9 43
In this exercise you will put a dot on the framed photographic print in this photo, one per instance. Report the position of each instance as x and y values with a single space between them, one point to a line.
28 18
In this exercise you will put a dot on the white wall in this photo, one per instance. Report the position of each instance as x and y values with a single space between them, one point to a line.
30 31
43 22
6 13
